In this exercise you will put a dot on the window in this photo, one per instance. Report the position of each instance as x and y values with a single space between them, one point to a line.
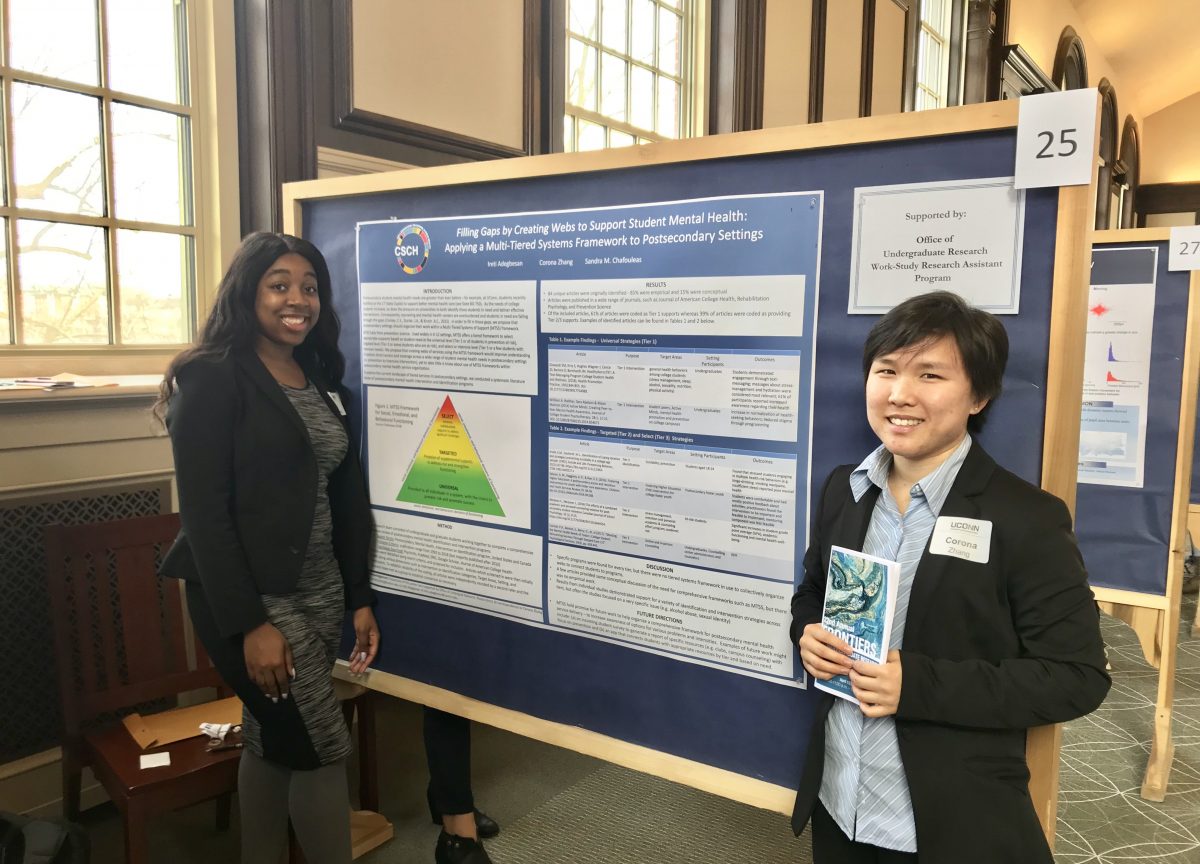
628 78
933 54
97 198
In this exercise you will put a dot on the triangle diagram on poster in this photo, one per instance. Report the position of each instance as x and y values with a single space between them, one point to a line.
447 471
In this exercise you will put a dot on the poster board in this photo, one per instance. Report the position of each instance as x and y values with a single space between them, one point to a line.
734 735
1132 532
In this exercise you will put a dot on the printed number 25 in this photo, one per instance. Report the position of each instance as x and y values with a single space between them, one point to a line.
1068 145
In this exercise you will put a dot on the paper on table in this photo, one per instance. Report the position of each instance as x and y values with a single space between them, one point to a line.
155 760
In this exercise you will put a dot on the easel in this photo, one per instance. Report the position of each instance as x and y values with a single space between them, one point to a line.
1155 618
1063 384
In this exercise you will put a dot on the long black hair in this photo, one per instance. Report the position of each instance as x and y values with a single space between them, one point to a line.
232 325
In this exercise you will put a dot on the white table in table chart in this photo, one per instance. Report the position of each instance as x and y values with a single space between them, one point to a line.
720 508
741 393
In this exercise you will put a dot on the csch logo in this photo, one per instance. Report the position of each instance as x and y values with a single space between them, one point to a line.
412 249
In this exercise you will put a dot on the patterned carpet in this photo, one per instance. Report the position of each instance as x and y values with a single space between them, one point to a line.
1102 818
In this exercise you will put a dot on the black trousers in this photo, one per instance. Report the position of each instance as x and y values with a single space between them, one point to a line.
831 846
448 752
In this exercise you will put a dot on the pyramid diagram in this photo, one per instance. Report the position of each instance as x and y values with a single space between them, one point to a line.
447 472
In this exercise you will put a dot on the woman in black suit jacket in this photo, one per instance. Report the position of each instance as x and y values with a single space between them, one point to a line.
275 535
998 636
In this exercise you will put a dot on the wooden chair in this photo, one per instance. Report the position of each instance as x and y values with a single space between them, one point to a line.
120 642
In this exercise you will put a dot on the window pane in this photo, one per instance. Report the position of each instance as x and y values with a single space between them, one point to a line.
148 171
591 136
612 77
932 12
581 17
144 43
612 32
64 283
54 37
933 57
56 150
641 36
668 41
668 108
154 272
617 138
641 98
5 337
568 133
581 74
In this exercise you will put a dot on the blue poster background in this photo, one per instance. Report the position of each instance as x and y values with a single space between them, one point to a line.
1124 533
734 722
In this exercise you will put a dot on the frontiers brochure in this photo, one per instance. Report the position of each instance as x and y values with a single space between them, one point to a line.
860 602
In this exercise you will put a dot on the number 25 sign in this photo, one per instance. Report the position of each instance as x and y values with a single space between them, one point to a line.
1056 134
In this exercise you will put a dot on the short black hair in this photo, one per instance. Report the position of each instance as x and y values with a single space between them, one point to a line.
981 338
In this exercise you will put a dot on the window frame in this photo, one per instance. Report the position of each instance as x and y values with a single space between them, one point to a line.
693 42
212 134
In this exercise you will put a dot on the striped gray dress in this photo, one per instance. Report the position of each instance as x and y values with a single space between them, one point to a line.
311 617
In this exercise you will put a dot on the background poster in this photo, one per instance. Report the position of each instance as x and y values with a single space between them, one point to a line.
1116 372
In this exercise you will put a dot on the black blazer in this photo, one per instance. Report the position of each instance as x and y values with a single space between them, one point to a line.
989 650
247 480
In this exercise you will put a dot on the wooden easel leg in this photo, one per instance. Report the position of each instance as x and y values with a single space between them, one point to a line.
1147 624
1162 753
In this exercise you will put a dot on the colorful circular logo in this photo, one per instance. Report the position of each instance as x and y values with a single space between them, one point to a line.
412 249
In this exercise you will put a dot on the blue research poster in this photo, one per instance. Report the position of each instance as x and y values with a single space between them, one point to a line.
598 421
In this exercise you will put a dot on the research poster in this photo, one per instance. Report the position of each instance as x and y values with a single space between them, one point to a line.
598 421
1116 371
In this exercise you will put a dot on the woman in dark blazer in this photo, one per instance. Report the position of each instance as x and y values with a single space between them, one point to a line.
998 628
275 535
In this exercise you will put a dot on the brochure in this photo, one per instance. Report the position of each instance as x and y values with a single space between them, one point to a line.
860 603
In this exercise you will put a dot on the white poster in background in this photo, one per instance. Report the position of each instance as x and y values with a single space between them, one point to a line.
962 236
1116 383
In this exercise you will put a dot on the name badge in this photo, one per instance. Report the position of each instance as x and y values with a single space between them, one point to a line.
958 537
337 402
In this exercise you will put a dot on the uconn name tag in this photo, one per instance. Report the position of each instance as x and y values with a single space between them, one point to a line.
969 539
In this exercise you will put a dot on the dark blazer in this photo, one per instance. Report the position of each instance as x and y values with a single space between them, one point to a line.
247 480
989 650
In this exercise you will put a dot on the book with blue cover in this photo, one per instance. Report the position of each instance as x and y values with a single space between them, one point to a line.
860 604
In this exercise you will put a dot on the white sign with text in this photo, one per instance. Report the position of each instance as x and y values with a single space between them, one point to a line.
1056 135
962 236
1185 248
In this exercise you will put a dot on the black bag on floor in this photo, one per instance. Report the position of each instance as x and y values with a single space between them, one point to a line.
24 840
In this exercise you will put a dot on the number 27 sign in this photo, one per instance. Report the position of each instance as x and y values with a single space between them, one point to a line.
1056 134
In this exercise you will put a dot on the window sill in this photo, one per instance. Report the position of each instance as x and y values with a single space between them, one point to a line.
113 388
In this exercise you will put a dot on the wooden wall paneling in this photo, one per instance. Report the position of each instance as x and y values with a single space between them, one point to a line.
843 64
816 61
276 141
735 99
348 117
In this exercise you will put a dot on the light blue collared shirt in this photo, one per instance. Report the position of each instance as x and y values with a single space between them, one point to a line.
864 787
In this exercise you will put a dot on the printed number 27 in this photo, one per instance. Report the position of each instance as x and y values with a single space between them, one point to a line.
1189 247
1068 145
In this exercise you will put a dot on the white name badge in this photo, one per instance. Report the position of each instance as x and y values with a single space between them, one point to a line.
337 401
958 537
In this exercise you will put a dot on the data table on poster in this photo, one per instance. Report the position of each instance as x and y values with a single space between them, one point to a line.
735 393
725 509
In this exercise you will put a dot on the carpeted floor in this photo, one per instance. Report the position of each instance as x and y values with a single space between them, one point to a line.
557 806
